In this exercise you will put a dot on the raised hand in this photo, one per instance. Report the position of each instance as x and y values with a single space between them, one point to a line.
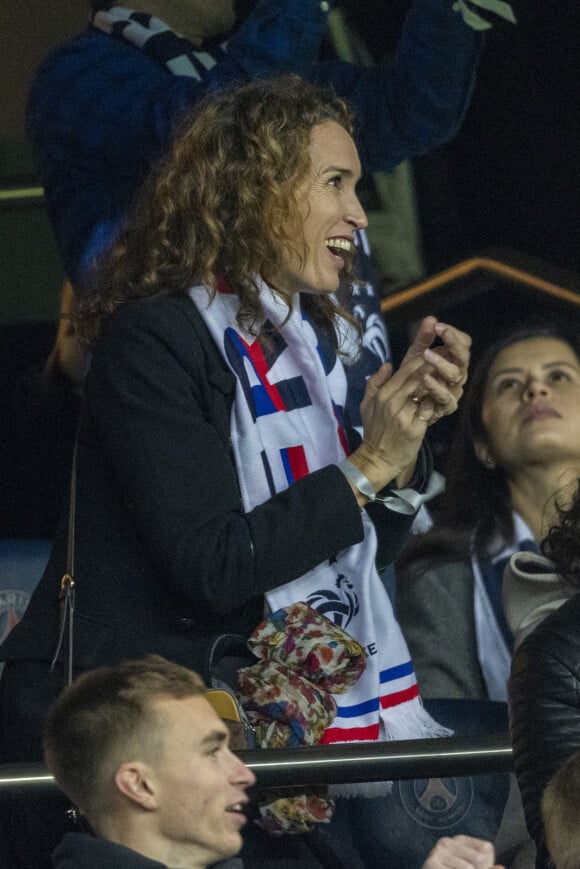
461 852
399 406
444 370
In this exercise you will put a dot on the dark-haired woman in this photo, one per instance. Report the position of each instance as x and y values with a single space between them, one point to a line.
516 446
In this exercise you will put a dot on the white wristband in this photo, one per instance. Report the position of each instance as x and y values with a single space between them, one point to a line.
359 480
405 501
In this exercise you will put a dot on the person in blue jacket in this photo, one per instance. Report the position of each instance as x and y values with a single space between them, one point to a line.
104 105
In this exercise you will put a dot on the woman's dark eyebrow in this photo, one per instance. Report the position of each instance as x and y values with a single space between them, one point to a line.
518 370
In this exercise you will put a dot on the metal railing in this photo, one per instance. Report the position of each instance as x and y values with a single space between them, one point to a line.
339 764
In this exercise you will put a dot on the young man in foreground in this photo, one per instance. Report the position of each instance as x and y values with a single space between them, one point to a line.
145 758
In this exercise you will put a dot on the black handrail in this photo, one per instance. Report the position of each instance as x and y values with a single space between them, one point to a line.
339 764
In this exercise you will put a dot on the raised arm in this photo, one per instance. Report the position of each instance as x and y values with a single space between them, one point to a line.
417 101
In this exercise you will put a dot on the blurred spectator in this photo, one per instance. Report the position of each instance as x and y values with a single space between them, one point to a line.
545 682
561 815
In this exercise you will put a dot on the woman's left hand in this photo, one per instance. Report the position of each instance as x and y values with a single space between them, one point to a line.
445 369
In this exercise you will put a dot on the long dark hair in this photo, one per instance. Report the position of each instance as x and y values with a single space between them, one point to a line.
476 505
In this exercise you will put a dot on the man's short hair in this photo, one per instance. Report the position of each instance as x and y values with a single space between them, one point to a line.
107 717
561 814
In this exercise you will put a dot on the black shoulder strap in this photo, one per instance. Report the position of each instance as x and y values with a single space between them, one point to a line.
67 583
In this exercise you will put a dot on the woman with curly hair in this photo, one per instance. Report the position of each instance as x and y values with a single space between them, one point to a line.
216 471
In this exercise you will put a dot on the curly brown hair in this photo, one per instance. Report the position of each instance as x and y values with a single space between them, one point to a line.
221 202
562 545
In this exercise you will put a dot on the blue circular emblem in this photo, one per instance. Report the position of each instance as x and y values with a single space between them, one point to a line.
436 803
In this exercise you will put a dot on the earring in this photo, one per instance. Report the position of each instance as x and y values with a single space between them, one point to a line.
482 455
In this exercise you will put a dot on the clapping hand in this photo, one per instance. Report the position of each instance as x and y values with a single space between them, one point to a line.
398 406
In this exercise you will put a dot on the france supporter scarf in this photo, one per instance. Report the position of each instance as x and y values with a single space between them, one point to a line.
286 423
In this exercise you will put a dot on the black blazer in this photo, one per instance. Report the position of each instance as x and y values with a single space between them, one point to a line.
165 555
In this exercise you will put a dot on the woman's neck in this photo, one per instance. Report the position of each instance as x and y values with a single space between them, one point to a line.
538 492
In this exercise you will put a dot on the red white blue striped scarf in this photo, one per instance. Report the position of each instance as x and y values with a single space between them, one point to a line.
286 423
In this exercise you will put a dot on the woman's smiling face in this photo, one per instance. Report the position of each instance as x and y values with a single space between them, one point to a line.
330 214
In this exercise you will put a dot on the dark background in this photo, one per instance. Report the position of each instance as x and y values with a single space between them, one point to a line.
512 175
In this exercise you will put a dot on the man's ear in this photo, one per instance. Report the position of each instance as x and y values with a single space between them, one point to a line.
482 452
136 781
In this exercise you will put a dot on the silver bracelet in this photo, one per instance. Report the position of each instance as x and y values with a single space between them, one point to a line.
359 480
